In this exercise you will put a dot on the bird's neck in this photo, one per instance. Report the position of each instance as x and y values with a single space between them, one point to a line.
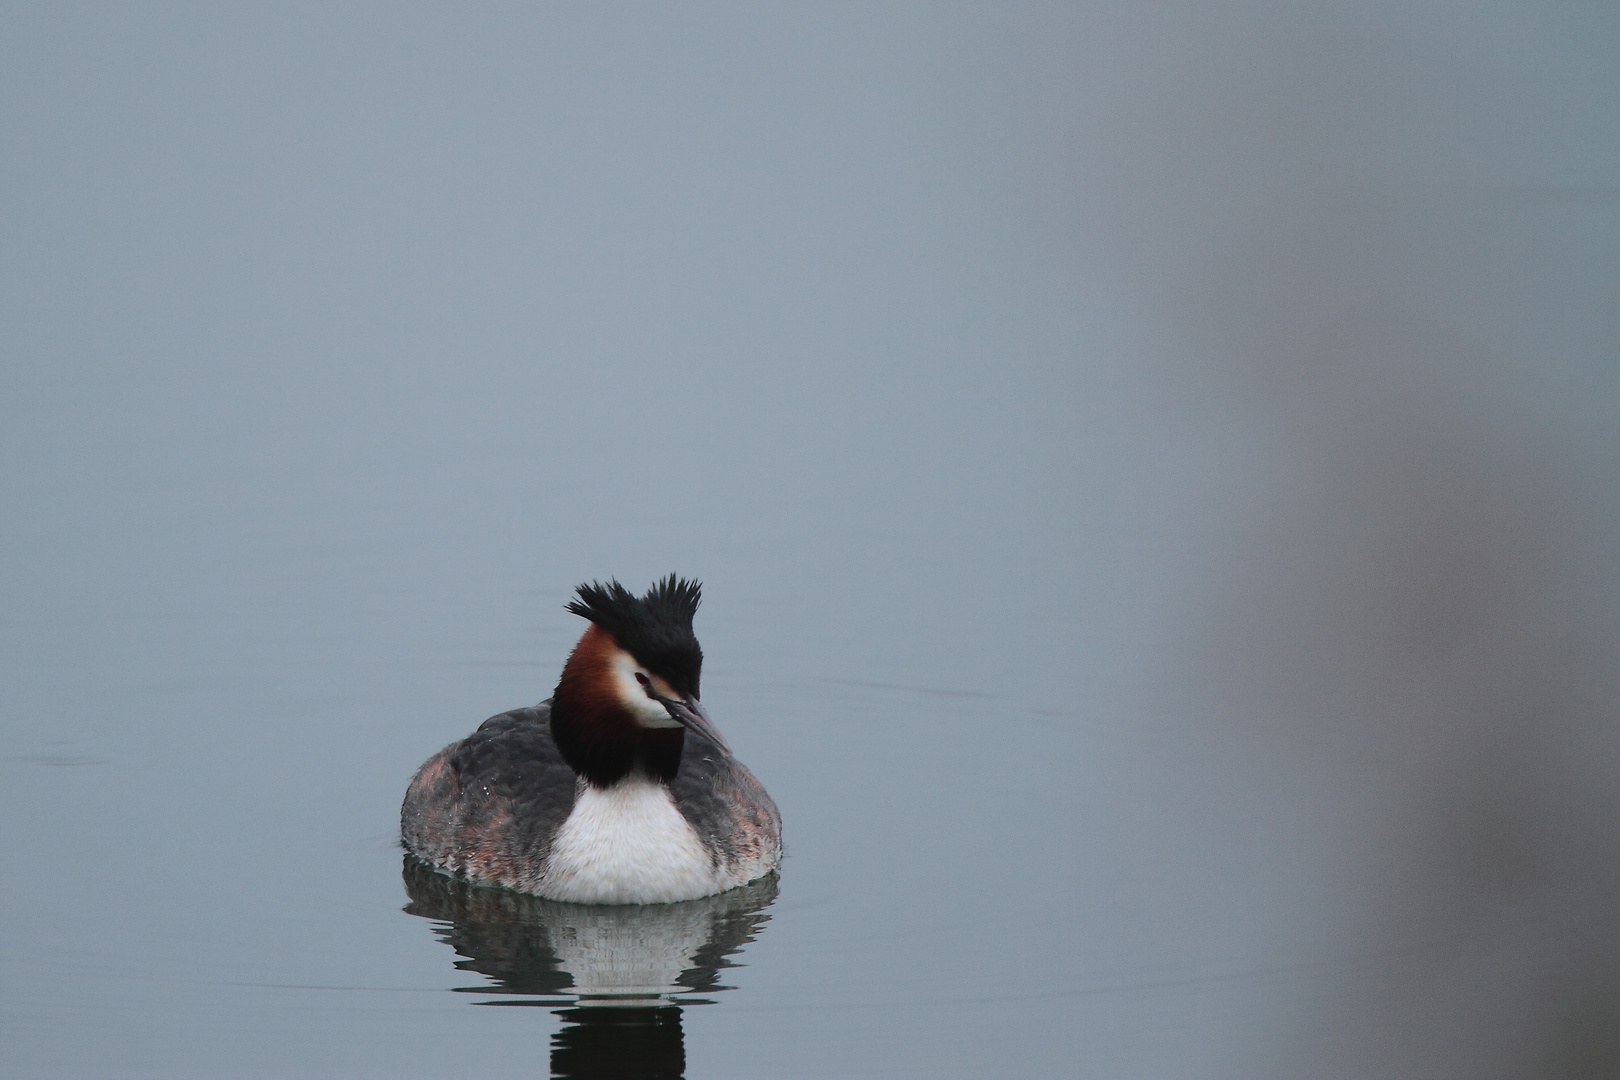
595 732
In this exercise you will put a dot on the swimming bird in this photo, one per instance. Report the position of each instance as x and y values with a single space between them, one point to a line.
618 789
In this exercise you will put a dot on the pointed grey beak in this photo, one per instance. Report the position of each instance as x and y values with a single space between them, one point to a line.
695 718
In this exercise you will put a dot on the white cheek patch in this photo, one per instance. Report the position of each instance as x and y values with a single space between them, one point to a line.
646 711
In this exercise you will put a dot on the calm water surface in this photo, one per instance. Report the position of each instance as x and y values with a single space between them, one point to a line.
1151 476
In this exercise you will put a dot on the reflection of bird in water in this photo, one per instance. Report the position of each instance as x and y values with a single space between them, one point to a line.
597 796
625 969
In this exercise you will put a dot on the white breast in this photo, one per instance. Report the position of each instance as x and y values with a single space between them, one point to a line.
627 845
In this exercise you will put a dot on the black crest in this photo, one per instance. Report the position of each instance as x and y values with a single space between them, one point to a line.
656 629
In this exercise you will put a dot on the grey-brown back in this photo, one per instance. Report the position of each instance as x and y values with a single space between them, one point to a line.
487 808
728 808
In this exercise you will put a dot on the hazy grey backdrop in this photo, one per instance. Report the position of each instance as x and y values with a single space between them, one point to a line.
1153 467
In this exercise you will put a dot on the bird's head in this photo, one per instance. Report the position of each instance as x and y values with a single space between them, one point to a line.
630 689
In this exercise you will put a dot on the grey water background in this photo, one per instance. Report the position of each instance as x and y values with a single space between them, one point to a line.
1152 468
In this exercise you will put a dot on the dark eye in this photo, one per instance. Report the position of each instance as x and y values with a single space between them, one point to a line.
646 684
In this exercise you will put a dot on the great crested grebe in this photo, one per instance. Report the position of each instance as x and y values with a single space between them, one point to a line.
600 795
